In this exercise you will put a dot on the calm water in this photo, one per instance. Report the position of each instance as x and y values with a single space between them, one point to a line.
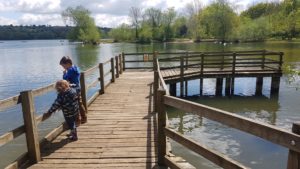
30 64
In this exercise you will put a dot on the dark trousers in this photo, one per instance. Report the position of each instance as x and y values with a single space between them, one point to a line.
71 122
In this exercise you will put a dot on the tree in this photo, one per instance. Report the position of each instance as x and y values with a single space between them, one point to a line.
168 17
153 17
85 29
193 11
135 17
219 20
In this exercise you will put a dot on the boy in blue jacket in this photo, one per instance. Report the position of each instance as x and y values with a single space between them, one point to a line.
72 75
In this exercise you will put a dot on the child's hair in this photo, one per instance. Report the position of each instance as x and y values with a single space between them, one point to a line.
62 85
65 60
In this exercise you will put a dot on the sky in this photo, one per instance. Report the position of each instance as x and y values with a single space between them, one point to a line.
107 13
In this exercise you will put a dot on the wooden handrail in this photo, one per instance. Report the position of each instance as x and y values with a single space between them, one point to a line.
211 155
32 121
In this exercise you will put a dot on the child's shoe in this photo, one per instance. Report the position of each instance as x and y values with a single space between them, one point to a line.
73 135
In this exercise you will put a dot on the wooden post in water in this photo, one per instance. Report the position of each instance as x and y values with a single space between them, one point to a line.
161 121
280 61
154 60
31 131
259 86
101 78
173 89
117 67
201 74
123 60
219 86
83 91
155 89
121 64
112 63
186 88
233 73
227 86
275 84
294 157
181 75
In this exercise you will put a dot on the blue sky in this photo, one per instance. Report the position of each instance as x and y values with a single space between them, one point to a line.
107 13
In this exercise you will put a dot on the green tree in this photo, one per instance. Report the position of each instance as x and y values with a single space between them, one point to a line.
219 20
85 29
168 17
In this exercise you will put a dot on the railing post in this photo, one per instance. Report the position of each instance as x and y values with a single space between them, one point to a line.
155 54
83 90
161 140
101 78
112 63
155 89
181 75
31 131
280 61
263 59
186 60
294 157
123 60
233 73
121 65
117 66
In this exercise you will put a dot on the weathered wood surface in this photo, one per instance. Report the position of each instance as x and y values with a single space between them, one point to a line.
119 133
174 75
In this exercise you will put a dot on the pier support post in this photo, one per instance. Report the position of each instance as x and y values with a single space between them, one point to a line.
219 86
155 86
259 86
123 61
294 157
161 122
275 83
173 89
31 131
232 87
227 86
186 88
201 87
181 76
121 65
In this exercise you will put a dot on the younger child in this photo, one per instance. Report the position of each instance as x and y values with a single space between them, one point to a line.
72 75
67 101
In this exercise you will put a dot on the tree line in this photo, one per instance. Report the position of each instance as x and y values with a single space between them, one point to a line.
218 21
32 32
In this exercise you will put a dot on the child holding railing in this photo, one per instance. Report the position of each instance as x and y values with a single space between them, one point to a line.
67 101
72 75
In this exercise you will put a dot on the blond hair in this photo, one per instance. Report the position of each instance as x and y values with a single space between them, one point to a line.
62 85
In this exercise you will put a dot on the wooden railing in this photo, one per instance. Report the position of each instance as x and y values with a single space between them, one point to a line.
290 140
264 59
26 99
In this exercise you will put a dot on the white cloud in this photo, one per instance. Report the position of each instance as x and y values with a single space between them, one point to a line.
7 21
109 13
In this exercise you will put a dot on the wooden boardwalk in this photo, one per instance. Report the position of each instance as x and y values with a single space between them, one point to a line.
120 132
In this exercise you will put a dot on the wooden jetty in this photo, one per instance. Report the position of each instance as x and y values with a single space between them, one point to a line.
127 120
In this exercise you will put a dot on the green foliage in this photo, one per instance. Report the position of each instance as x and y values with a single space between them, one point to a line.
122 33
85 29
180 27
218 20
253 30
260 10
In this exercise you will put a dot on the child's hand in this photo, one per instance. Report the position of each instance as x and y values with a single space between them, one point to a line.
46 116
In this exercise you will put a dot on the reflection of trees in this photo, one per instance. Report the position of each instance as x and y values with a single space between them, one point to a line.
263 107
87 55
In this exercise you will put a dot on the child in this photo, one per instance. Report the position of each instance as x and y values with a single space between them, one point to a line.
67 101
72 75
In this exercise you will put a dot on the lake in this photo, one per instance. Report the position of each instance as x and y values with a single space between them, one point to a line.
31 64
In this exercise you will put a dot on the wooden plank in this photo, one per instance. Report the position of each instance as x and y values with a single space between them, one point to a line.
20 161
204 151
12 101
112 70
9 136
294 157
43 90
83 91
268 132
